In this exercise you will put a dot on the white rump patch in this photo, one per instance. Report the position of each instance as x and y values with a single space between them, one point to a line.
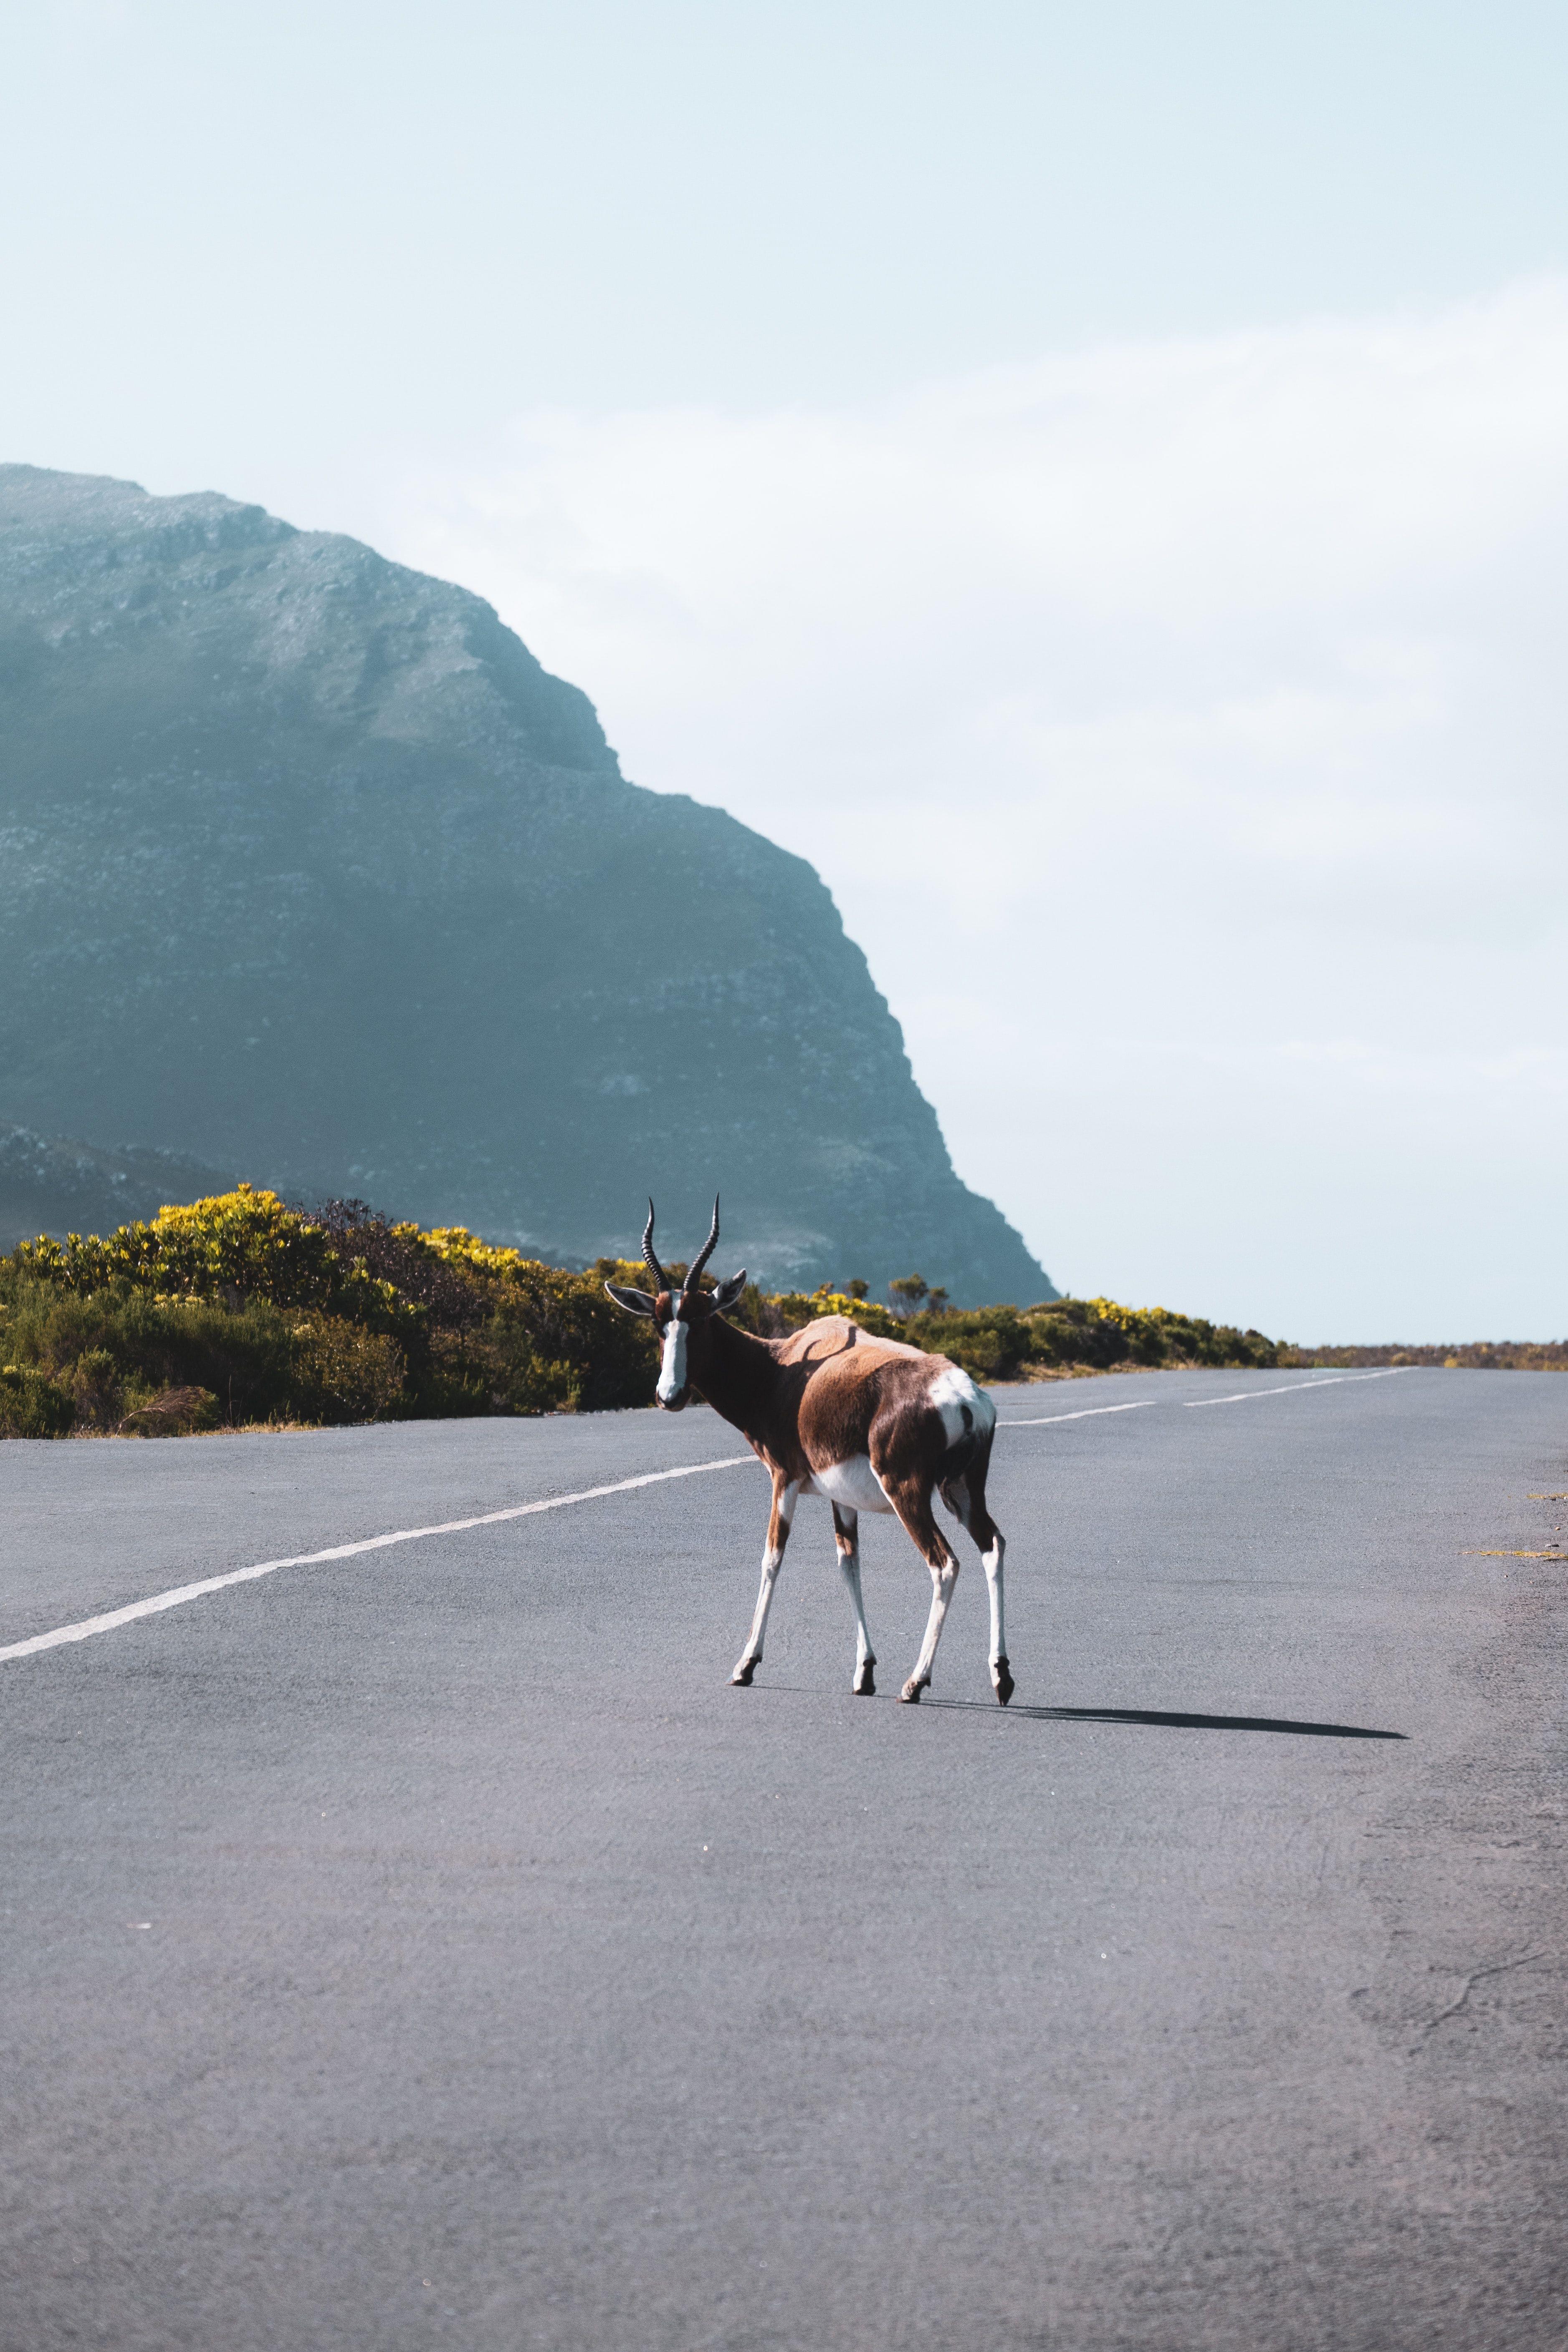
949 1392
854 1483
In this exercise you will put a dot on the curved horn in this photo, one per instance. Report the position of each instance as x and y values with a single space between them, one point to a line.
703 1254
661 1279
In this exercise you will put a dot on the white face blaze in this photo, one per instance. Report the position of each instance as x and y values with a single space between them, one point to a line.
672 1370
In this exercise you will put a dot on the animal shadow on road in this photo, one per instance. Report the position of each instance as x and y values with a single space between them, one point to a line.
1160 1721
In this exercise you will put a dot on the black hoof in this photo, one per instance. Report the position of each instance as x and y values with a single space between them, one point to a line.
865 1683
911 1693
742 1677
1002 1682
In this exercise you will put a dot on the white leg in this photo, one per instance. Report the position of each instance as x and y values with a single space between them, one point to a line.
779 1518
846 1531
1001 1674
944 1578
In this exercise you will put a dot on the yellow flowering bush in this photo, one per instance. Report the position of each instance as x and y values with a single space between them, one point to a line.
239 1309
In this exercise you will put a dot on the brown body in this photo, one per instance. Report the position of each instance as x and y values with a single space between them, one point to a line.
832 1394
871 1423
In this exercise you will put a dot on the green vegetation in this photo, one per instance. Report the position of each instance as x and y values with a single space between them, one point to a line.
240 1312
1012 1343
1469 1356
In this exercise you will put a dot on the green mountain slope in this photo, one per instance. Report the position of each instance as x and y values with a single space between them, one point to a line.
309 871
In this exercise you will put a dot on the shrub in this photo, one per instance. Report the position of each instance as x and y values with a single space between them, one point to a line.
990 1343
242 1355
31 1405
96 1387
341 1372
405 1259
554 1334
240 1310
244 1243
788 1310
236 1248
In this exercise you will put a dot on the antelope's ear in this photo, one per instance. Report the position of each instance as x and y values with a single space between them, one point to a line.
635 1302
728 1292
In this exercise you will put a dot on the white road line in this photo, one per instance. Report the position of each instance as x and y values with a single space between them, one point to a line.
1338 1379
180 1593
1090 1412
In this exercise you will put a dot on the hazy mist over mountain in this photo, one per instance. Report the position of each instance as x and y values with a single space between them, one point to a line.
310 872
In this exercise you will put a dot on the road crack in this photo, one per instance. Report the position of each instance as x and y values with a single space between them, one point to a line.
1476 1977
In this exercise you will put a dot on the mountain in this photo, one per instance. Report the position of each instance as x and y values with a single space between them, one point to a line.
309 870
51 1183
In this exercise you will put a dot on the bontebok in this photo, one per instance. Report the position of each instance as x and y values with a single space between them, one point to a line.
872 1425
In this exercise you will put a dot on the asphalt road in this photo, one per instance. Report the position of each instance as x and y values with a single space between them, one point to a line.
428 1948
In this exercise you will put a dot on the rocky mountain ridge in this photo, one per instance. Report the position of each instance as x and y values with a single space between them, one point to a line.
309 871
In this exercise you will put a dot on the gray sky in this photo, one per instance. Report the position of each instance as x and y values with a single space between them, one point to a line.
1092 481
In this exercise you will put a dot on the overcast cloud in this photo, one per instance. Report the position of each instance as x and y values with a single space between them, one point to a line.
1180 726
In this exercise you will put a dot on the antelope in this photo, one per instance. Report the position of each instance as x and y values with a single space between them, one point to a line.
873 1425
